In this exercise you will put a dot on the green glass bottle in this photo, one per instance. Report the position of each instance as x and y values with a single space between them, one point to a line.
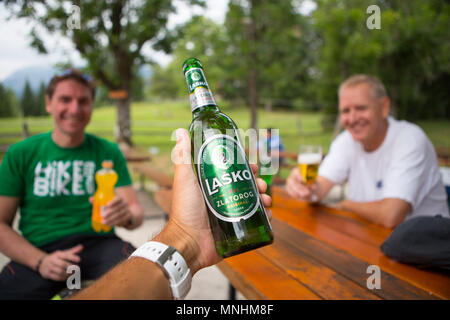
237 216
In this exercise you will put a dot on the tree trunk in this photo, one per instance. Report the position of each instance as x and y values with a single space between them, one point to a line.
253 98
252 73
124 121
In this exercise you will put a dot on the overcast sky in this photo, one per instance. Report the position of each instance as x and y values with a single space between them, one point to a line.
15 52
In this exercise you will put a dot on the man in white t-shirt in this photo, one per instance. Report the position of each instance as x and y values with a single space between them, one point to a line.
390 166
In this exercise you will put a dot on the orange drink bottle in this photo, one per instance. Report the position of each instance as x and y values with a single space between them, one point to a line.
106 178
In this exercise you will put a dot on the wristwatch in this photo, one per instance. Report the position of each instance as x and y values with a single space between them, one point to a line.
172 263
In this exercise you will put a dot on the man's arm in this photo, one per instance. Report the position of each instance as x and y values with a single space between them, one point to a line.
13 244
139 278
388 212
188 231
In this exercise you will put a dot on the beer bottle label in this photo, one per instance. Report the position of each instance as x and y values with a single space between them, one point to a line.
226 179
199 93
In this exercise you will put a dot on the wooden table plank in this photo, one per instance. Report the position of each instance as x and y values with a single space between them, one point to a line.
433 282
319 278
346 222
344 264
258 278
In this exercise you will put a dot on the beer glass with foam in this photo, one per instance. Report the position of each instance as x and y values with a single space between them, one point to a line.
309 158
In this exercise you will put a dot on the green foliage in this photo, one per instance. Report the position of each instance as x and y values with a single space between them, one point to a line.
111 38
27 102
33 104
280 50
202 38
409 53
299 59
9 106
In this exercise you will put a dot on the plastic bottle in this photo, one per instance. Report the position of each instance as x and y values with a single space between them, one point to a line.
106 178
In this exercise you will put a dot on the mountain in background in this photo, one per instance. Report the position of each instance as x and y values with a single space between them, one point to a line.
37 74
34 74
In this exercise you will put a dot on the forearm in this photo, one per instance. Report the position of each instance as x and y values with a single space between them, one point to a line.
139 278
388 212
134 279
321 189
368 210
17 248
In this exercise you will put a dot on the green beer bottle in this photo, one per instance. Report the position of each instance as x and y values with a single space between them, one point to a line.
237 216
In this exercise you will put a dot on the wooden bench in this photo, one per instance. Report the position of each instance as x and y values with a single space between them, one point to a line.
140 163
443 155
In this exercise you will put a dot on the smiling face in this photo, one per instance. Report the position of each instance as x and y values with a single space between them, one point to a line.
363 115
71 107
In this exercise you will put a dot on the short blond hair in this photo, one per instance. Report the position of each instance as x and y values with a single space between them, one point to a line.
378 89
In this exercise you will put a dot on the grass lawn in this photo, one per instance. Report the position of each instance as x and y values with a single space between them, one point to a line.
154 123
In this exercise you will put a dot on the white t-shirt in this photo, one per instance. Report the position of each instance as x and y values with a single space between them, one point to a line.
404 166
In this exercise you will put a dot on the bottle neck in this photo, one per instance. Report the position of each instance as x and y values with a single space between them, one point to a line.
209 108
200 95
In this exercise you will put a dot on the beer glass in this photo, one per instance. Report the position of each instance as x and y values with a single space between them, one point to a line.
309 158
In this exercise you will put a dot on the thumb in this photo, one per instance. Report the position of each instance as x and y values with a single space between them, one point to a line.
181 153
181 156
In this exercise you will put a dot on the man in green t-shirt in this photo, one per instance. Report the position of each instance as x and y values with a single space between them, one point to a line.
50 178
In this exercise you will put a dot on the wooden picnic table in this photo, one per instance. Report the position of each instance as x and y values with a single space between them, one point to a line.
323 253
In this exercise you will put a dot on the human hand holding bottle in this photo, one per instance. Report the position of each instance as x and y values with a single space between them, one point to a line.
116 212
188 229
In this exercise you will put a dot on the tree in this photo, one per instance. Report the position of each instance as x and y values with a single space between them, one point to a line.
40 101
8 103
27 102
409 53
111 37
268 53
201 38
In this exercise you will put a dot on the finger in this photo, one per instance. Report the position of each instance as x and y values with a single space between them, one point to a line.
71 254
294 189
254 168
269 214
61 267
181 156
112 212
266 200
57 275
77 249
115 202
91 199
262 185
118 219
59 263
181 153
296 176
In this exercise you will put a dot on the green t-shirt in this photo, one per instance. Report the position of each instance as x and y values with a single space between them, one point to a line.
54 184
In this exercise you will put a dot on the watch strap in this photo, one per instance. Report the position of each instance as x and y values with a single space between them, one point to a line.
172 263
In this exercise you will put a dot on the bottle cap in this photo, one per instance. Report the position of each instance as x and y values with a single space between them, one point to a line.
108 164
